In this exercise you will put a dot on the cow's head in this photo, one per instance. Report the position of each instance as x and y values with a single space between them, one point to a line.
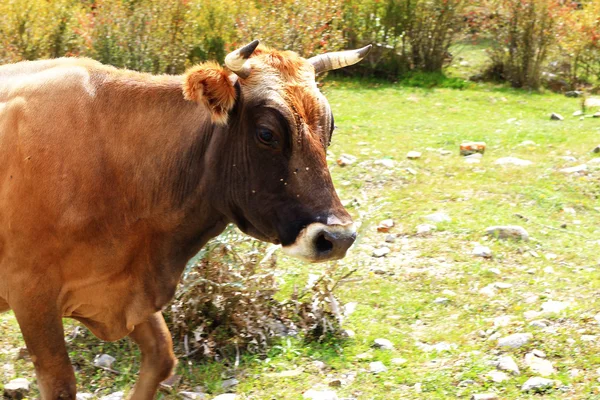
273 127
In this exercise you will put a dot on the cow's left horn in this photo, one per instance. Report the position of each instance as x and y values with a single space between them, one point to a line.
339 59
237 61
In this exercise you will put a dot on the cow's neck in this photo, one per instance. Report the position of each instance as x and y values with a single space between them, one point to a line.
165 140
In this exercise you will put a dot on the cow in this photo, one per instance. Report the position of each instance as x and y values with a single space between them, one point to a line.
111 180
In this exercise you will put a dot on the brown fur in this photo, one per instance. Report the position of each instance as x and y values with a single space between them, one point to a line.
209 83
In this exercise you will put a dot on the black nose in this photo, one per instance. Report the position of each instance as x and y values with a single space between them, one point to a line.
332 244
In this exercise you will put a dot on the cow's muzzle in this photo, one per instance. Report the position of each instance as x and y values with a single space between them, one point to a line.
319 242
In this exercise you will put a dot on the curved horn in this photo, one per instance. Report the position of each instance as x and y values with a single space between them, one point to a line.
236 61
339 59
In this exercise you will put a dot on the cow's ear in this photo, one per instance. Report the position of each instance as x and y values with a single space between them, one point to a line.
209 84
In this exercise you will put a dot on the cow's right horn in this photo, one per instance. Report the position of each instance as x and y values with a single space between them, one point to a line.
339 59
237 61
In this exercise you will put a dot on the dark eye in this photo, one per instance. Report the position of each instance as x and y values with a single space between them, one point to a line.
266 136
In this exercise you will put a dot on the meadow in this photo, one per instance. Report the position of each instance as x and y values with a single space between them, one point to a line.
442 307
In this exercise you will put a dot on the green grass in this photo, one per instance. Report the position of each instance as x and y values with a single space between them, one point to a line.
384 121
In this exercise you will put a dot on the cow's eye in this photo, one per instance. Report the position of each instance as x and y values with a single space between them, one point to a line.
265 136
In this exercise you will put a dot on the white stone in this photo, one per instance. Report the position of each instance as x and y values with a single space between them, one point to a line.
484 396
498 376
399 361
528 143
575 169
113 396
538 323
349 308
539 365
489 290
537 384
503 320
594 161
320 395
425 228
346 159
386 162
507 363
588 338
441 346
17 388
377 367
482 251
552 306
413 155
441 300
495 271
383 344
515 340
538 353
438 217
87 396
513 161
503 285
381 252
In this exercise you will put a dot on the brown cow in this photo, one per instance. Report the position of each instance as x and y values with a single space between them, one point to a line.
111 180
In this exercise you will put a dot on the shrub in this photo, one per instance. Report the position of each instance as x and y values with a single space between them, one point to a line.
523 32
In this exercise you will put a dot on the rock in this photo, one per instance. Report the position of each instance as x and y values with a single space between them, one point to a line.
104 361
229 383
424 229
114 396
413 155
594 161
503 320
537 384
495 271
552 306
193 395
596 149
386 162
482 251
512 161
385 225
364 356
349 308
448 292
377 367
574 93
539 365
484 396
588 338
556 117
383 344
399 361
507 363
466 382
508 232
596 115
502 285
592 102
527 143
85 396
441 346
346 159
575 169
474 158
381 252
441 300
438 217
498 376
170 382
319 365
17 388
515 341
390 238
445 152
578 113
489 290
468 148
568 158
538 323
320 395
226 396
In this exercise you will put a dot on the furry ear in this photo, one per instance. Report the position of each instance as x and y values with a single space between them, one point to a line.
209 84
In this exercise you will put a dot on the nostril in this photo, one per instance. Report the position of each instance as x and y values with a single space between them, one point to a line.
323 245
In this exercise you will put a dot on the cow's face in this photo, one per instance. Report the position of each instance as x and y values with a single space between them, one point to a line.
271 144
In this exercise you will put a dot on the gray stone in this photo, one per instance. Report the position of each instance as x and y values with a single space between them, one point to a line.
383 344
377 367
538 323
508 232
574 93
507 363
193 395
513 161
320 395
515 341
556 117
104 361
17 388
229 383
484 396
390 238
537 384
438 217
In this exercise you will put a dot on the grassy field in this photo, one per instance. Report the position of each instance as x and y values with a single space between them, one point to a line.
396 294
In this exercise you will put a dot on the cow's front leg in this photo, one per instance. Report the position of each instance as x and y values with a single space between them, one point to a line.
42 329
154 339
